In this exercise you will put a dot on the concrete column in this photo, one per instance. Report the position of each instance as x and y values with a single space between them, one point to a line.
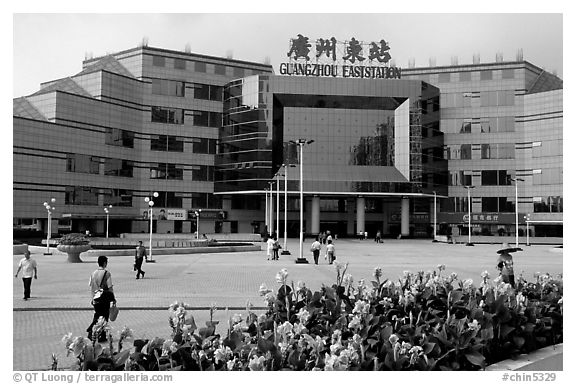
350 217
405 218
315 215
360 214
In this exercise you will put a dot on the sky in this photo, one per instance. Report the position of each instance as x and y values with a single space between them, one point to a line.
48 46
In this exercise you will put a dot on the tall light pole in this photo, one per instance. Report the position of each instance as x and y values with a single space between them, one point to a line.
301 143
527 218
266 213
197 214
277 205
107 210
469 243
434 231
285 166
516 180
150 201
49 209
271 212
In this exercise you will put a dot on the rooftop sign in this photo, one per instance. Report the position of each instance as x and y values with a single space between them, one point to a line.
351 58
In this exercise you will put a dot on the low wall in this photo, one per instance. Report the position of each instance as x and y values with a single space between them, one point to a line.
192 236
175 251
545 359
508 239
20 249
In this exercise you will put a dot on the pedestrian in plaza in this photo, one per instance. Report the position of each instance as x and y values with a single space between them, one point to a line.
270 248
29 268
328 236
330 252
505 264
315 249
275 247
378 237
101 278
322 238
139 258
365 235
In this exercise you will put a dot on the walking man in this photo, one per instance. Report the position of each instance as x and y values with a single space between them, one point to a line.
330 252
315 248
138 259
101 278
29 269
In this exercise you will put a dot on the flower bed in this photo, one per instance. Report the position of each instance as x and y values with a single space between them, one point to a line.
421 321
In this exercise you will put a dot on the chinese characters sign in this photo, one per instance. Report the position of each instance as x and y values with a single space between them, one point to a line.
351 58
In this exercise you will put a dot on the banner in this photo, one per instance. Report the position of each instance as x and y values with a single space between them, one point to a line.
165 214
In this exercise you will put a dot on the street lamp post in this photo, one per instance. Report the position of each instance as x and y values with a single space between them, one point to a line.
271 211
285 251
49 209
266 213
469 243
197 214
301 143
434 231
150 201
277 205
107 210
516 180
527 218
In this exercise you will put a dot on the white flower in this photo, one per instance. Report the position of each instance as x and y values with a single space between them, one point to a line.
393 339
355 322
300 285
263 289
303 315
230 365
361 307
468 284
282 276
257 363
236 318
474 325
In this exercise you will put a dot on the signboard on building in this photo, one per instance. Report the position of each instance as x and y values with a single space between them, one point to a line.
165 214
212 214
480 218
350 58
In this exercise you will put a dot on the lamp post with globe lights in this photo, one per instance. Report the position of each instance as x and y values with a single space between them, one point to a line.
107 211
150 201
301 143
516 180
197 214
49 209
469 243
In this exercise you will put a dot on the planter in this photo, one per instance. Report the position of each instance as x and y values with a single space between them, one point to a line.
74 251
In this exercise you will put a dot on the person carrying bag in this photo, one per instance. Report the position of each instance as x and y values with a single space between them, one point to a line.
102 294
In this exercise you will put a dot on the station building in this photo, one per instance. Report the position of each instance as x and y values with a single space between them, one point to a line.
211 134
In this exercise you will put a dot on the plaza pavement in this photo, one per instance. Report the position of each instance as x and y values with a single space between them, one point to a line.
60 300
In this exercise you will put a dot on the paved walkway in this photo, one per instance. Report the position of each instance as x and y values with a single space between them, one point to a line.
60 296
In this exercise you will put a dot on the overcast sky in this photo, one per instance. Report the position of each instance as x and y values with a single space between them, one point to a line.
52 46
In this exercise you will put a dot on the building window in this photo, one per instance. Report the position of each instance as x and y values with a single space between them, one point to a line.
119 137
465 76
444 77
166 143
208 92
75 195
202 145
158 61
118 197
82 163
200 67
485 75
203 173
207 119
497 204
168 87
548 204
496 177
466 152
118 167
169 200
238 72
506 151
220 69
167 115
485 151
179 64
507 73
466 127
166 171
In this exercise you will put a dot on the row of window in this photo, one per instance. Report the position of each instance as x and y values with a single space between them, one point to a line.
169 115
123 138
489 204
196 66
79 195
446 77
502 98
79 163
178 88
548 204
486 125
487 151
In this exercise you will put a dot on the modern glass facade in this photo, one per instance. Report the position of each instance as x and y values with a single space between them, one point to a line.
370 137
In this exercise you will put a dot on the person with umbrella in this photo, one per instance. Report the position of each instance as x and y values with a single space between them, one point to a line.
505 263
